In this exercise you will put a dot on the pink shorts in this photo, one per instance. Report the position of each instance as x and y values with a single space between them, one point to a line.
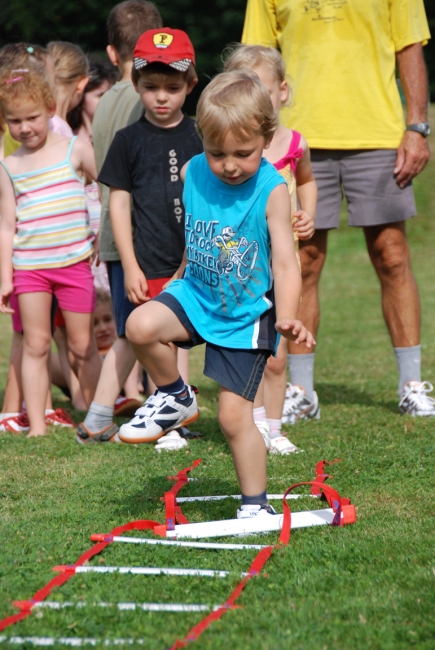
73 285
17 325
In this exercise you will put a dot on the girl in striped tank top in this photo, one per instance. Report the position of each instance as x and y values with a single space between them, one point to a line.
45 238
289 154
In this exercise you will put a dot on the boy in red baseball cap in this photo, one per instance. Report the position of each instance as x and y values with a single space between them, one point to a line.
144 163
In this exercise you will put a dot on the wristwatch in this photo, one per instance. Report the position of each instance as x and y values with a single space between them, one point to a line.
421 127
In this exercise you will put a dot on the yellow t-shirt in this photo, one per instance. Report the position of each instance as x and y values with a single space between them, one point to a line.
341 56
10 145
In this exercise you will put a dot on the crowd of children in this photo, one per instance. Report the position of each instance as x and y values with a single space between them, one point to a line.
190 234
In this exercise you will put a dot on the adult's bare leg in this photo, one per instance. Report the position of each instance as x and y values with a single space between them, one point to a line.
388 249
389 252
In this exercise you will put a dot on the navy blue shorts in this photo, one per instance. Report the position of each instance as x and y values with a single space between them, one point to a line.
122 307
239 371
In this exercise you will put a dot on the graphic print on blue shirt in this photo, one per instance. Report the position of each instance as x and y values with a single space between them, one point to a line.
228 280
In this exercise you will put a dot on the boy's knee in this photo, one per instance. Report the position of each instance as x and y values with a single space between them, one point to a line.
140 330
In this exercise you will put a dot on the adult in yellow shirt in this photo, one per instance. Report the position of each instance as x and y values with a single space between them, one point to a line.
342 56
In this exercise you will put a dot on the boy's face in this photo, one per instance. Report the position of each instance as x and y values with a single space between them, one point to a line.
163 97
235 161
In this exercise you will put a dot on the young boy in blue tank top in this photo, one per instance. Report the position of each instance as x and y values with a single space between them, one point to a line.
241 286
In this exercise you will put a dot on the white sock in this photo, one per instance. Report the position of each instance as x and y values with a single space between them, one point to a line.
301 367
409 364
275 428
6 416
260 414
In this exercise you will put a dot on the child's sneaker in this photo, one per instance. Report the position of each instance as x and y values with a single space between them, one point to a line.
15 423
282 445
59 417
415 399
264 429
297 406
108 434
160 413
250 511
126 406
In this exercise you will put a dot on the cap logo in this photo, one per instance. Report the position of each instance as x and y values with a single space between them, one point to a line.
162 40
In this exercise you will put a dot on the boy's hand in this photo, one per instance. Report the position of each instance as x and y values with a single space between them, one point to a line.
136 286
5 293
304 225
295 331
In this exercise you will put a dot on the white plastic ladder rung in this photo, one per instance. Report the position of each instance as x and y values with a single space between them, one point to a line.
271 497
146 607
259 524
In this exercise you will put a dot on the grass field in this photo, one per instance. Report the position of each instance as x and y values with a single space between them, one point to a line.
371 585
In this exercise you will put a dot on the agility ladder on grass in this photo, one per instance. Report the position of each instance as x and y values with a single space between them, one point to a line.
340 512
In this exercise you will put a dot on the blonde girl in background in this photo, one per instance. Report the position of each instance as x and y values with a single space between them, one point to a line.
45 239
71 75
289 153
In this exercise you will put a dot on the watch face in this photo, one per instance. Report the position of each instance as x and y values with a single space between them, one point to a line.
426 128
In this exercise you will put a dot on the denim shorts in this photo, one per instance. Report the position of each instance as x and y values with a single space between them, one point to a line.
239 371
122 307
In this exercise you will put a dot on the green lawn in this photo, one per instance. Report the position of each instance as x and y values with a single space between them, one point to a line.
370 585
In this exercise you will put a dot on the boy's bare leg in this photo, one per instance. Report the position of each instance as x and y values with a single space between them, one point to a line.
131 384
246 443
150 329
183 364
117 366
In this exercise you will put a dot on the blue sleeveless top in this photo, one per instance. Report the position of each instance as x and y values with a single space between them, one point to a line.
227 291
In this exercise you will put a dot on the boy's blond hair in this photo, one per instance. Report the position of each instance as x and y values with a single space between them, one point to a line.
235 102
249 57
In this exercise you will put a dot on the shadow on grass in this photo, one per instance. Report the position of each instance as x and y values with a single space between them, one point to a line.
145 501
330 393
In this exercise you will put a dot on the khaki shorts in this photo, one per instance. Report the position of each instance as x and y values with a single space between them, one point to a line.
365 178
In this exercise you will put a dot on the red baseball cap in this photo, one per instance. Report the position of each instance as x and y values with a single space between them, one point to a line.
170 46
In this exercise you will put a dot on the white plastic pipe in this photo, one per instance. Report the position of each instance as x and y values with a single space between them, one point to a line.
271 497
149 571
71 641
146 607
259 524
205 545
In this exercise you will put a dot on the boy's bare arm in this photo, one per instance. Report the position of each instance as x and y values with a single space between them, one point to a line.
7 231
286 274
120 219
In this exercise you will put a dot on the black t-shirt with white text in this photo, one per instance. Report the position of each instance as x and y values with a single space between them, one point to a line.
145 160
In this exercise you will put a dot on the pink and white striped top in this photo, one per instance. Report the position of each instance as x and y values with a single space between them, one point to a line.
52 220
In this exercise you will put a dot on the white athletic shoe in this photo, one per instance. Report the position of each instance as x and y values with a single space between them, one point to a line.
172 441
297 406
250 511
160 413
282 445
264 429
415 399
